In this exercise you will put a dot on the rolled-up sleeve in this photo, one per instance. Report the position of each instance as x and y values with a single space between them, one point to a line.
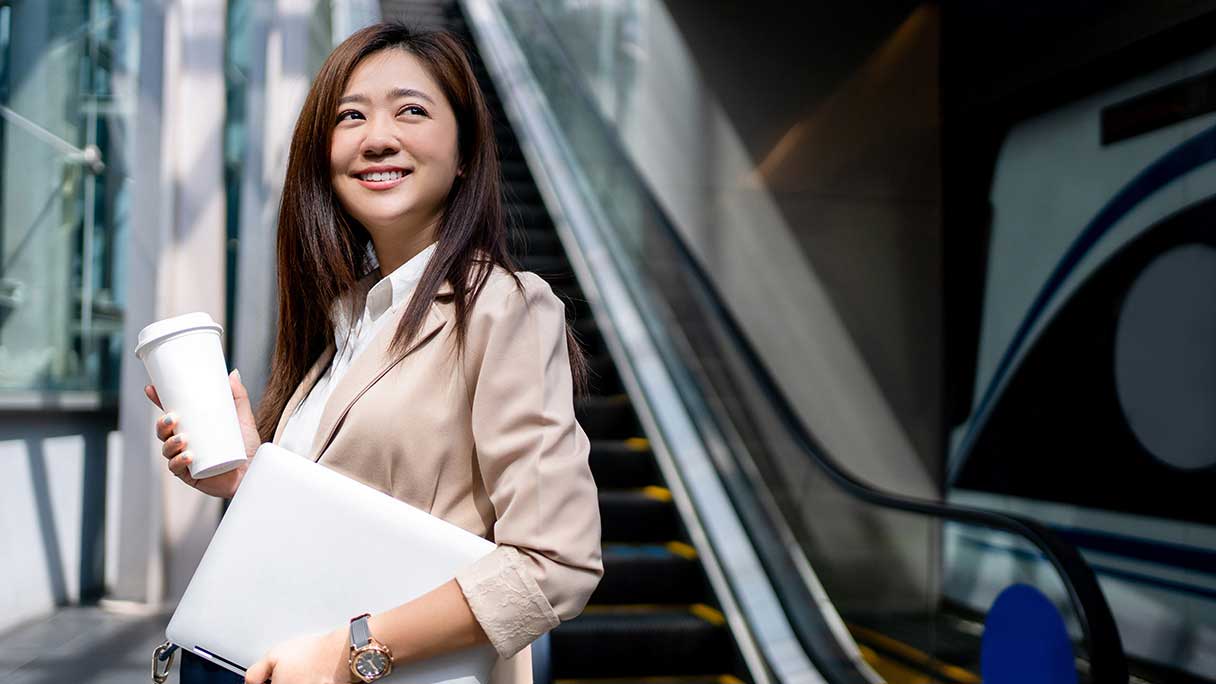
533 458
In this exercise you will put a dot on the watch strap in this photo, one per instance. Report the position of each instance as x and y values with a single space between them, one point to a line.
360 633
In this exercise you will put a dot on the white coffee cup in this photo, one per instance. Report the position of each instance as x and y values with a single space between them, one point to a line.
184 356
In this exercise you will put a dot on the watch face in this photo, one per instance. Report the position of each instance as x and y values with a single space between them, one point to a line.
371 663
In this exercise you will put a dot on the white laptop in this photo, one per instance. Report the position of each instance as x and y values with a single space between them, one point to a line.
301 550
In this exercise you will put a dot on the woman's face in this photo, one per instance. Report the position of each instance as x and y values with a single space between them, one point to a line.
394 153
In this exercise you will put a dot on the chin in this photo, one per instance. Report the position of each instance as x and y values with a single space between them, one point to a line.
386 224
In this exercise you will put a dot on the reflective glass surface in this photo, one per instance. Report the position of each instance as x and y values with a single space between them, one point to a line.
67 104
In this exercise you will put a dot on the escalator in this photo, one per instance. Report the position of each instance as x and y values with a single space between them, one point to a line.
653 614
679 601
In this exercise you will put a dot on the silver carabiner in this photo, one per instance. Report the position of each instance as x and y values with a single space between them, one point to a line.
163 654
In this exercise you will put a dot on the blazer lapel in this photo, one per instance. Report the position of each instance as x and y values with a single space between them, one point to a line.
371 365
310 379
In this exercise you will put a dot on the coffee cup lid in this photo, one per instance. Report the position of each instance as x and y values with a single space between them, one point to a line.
199 320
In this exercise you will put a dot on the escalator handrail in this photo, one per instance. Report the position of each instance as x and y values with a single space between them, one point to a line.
1107 663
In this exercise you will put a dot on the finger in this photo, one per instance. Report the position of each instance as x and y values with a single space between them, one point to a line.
152 395
259 672
173 446
180 465
165 425
239 395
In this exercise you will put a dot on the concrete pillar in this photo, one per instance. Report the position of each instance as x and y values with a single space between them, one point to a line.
176 265
133 520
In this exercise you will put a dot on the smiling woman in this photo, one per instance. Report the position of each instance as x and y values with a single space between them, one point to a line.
414 357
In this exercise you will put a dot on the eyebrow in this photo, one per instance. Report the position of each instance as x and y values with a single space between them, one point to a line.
394 94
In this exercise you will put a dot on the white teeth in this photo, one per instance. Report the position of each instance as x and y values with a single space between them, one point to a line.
382 175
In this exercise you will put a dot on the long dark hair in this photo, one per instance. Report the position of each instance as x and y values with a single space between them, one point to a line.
322 249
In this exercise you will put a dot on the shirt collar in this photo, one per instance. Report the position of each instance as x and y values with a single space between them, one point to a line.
394 289
390 291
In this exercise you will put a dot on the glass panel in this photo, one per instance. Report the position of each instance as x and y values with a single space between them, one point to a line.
892 575
238 49
68 80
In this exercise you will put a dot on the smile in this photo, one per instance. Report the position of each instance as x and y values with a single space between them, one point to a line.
381 180
382 175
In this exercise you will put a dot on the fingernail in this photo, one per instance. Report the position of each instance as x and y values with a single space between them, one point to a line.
168 419
237 373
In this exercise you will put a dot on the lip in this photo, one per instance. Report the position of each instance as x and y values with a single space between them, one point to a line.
381 185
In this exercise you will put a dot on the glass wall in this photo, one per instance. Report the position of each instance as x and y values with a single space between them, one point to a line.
67 102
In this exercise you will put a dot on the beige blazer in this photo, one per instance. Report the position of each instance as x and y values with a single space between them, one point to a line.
488 442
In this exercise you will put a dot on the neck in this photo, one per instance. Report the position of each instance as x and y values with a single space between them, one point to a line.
395 251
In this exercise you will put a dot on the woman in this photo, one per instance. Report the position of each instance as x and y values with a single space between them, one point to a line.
411 356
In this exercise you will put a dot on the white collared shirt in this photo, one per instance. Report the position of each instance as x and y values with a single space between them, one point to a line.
390 294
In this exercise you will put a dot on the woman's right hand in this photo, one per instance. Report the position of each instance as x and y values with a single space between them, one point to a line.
175 447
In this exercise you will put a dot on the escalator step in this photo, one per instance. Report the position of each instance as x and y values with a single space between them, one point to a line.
607 417
532 215
555 269
541 264
604 376
521 192
588 332
642 641
623 464
655 573
537 243
508 148
638 516
560 281
516 170
577 307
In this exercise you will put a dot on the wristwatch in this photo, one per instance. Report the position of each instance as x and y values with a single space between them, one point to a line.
369 659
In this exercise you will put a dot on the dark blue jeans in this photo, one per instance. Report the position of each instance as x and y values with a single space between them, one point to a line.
196 670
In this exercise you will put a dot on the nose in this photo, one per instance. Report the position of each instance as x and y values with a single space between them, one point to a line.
380 140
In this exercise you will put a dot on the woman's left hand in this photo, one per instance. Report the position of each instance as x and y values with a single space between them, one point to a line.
316 659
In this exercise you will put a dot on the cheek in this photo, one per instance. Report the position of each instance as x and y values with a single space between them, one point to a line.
440 149
341 152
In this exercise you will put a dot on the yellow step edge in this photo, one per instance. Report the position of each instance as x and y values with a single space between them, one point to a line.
685 551
914 655
657 493
711 615
634 608
893 672
707 613
668 679
637 444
